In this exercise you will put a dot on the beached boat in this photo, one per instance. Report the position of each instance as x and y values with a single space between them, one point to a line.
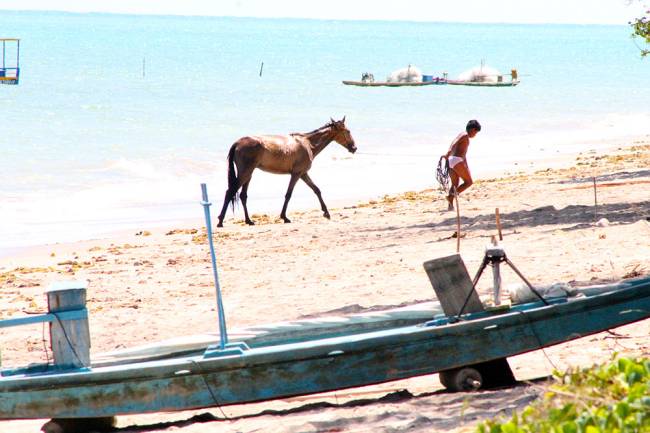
304 358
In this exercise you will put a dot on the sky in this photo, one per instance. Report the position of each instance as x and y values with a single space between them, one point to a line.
495 11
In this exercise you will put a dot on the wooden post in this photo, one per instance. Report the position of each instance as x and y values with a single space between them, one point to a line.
70 339
498 218
595 202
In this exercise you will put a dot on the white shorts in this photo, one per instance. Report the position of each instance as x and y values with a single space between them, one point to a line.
454 161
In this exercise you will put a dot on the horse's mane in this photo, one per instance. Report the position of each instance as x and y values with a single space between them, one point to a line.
327 125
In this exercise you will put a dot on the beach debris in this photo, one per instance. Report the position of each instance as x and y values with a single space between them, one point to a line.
182 232
603 222
636 271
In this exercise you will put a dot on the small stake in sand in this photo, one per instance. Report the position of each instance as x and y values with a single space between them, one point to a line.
261 68
498 218
595 202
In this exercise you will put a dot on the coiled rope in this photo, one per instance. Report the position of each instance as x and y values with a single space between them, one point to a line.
442 174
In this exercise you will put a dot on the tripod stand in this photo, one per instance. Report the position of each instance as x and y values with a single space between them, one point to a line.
494 256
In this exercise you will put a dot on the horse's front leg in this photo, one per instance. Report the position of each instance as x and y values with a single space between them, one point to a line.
287 196
305 177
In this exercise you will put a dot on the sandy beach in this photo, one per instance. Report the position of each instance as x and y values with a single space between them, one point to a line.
155 284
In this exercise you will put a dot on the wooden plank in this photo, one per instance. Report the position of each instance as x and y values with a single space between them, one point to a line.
70 339
452 284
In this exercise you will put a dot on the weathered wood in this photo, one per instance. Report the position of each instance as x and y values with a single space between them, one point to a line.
70 339
498 219
452 284
328 364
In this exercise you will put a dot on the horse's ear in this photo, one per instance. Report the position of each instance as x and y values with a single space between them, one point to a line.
343 120
331 120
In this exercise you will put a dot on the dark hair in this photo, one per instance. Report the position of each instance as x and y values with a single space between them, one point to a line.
473 124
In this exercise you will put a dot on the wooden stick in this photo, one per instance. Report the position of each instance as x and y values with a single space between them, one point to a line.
457 222
595 202
261 68
498 218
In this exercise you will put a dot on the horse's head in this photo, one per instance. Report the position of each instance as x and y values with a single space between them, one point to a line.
342 134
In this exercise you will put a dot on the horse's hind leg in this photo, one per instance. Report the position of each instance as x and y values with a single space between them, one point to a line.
243 196
287 197
305 177
228 198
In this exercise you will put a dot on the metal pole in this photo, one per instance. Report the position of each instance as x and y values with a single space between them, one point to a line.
223 334
496 281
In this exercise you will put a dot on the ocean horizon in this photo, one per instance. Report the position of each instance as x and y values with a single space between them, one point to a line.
118 118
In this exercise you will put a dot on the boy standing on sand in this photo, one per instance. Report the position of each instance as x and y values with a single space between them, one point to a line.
457 160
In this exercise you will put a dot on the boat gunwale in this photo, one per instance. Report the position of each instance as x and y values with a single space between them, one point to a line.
314 349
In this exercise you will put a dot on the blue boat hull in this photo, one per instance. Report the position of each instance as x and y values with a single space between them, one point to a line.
319 365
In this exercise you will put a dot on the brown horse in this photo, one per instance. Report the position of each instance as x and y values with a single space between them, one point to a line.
280 154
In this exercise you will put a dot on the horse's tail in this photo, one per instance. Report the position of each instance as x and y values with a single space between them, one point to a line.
233 182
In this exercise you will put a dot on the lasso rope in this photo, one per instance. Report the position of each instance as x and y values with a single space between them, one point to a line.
442 174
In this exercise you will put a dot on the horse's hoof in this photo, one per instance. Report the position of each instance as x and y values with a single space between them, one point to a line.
250 223
326 215
287 221
220 225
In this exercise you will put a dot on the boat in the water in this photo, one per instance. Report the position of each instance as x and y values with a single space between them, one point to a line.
410 76
303 358
436 81
484 76
510 83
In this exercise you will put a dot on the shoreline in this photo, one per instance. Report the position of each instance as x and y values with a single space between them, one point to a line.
303 200
159 285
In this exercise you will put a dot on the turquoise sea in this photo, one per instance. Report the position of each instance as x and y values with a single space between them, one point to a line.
118 118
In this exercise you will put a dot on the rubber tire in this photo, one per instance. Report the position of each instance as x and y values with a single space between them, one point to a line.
457 379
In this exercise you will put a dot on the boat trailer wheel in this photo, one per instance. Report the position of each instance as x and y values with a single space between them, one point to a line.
461 379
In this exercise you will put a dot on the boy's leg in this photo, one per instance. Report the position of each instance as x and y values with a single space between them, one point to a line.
462 172
452 190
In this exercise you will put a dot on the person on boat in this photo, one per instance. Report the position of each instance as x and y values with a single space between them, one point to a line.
456 158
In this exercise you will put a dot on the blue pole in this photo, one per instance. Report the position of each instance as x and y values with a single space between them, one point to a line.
223 334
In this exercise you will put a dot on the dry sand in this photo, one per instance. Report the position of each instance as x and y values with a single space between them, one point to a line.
157 284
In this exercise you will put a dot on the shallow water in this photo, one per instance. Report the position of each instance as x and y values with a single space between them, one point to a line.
118 119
